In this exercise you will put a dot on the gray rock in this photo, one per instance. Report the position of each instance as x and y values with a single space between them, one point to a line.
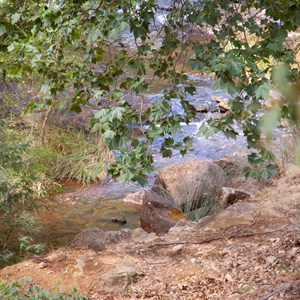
114 237
93 238
232 195
118 279
185 223
97 239
138 233
193 182
177 248
159 213
231 168
235 215
135 198
186 186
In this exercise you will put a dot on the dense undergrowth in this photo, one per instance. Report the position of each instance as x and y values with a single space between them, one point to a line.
31 169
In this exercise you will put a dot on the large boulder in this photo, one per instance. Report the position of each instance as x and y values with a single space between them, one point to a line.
191 184
159 213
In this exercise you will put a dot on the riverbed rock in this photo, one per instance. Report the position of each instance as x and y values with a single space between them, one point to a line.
92 238
192 183
232 195
231 168
135 198
114 237
235 215
205 108
118 279
159 213
223 103
97 239
119 219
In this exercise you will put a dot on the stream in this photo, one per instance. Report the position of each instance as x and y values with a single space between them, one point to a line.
79 209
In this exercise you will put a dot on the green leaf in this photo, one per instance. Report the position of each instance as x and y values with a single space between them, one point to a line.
190 89
269 121
15 18
247 172
281 78
206 130
197 64
141 179
269 171
236 68
2 29
93 35
109 134
117 95
263 91
117 113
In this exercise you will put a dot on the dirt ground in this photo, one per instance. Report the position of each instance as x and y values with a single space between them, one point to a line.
260 260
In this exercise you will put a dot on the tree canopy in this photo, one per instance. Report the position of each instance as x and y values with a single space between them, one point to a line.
113 51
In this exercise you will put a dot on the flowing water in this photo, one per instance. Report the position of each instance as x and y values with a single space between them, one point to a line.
96 206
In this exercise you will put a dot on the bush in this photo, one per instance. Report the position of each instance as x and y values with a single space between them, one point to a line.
24 289
21 194
28 169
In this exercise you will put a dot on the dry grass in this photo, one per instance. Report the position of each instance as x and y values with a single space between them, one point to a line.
72 154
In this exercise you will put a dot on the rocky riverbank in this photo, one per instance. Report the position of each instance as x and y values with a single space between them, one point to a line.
250 250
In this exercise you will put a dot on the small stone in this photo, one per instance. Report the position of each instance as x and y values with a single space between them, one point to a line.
193 261
270 259
118 279
177 248
183 286
135 198
232 195
228 278
119 219
185 223
96 264
43 265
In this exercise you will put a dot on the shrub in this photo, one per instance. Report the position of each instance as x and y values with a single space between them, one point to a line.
24 289
21 194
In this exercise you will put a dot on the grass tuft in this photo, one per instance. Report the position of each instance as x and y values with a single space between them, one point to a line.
72 154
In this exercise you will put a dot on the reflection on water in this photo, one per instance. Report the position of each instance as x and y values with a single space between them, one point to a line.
62 223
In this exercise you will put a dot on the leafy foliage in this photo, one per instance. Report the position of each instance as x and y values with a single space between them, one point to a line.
24 289
115 50
28 169
20 197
